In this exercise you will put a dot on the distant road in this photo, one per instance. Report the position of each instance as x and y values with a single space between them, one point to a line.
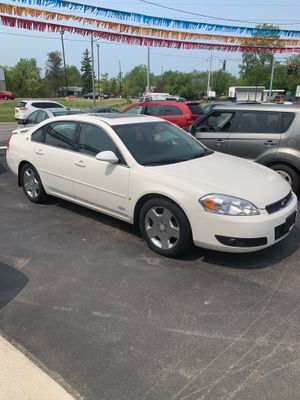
5 130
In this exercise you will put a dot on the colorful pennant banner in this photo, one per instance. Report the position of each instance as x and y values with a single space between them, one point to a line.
142 31
137 40
158 21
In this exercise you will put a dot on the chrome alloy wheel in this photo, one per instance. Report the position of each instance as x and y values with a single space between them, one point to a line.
31 183
162 227
285 176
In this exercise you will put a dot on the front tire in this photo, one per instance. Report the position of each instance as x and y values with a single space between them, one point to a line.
32 184
165 227
289 174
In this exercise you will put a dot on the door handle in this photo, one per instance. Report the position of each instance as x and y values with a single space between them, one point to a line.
39 151
270 142
80 163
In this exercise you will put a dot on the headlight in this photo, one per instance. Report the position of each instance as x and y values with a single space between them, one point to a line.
227 205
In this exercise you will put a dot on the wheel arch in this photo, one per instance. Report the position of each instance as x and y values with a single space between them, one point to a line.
21 165
139 205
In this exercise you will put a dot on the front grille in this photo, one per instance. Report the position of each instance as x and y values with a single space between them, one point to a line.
279 205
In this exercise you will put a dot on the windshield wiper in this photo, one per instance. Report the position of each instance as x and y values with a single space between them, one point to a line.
165 161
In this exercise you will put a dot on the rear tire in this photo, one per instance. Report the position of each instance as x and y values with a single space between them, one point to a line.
32 184
289 174
165 227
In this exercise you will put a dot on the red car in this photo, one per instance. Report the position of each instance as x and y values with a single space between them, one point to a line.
4 94
182 114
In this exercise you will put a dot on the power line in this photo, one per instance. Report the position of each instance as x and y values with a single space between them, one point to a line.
202 15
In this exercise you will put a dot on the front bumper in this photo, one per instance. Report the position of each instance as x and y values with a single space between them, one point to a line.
242 234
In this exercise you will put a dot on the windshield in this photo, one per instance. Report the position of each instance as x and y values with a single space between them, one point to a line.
157 143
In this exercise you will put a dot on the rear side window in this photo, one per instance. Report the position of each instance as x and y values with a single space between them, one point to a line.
46 104
22 104
172 110
32 117
286 121
195 109
154 109
39 135
61 134
41 117
258 122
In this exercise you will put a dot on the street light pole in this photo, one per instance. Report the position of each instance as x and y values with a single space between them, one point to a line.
98 65
64 58
93 70
148 70
209 75
272 77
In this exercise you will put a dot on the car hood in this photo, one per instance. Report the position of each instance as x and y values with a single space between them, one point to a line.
224 174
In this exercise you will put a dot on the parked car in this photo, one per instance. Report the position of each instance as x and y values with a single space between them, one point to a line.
267 134
90 95
6 95
41 114
25 107
179 113
150 173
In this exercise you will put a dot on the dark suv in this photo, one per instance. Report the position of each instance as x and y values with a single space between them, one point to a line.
267 134
180 113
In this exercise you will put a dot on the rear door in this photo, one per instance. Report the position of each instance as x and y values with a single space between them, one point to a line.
53 156
256 135
214 129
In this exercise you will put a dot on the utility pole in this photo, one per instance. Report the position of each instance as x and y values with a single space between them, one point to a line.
148 70
209 76
272 77
64 58
98 65
120 78
93 70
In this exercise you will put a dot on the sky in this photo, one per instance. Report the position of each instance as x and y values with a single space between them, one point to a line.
20 43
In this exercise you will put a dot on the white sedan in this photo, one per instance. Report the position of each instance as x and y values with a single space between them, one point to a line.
152 174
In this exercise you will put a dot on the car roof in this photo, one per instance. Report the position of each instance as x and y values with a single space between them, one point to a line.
259 107
40 101
109 118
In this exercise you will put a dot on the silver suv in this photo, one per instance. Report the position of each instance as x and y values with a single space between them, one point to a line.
267 134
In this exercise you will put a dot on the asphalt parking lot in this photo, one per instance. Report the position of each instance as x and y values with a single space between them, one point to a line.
82 295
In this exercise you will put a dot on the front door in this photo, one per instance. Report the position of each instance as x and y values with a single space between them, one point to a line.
213 131
99 184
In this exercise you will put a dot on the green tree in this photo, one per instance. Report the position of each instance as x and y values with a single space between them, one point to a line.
86 72
74 77
54 72
134 82
24 78
256 66
221 81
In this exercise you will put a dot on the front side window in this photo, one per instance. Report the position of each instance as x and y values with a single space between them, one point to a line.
258 122
93 140
134 110
157 143
216 122
61 134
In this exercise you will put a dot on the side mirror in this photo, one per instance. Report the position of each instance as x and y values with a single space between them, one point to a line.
108 156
